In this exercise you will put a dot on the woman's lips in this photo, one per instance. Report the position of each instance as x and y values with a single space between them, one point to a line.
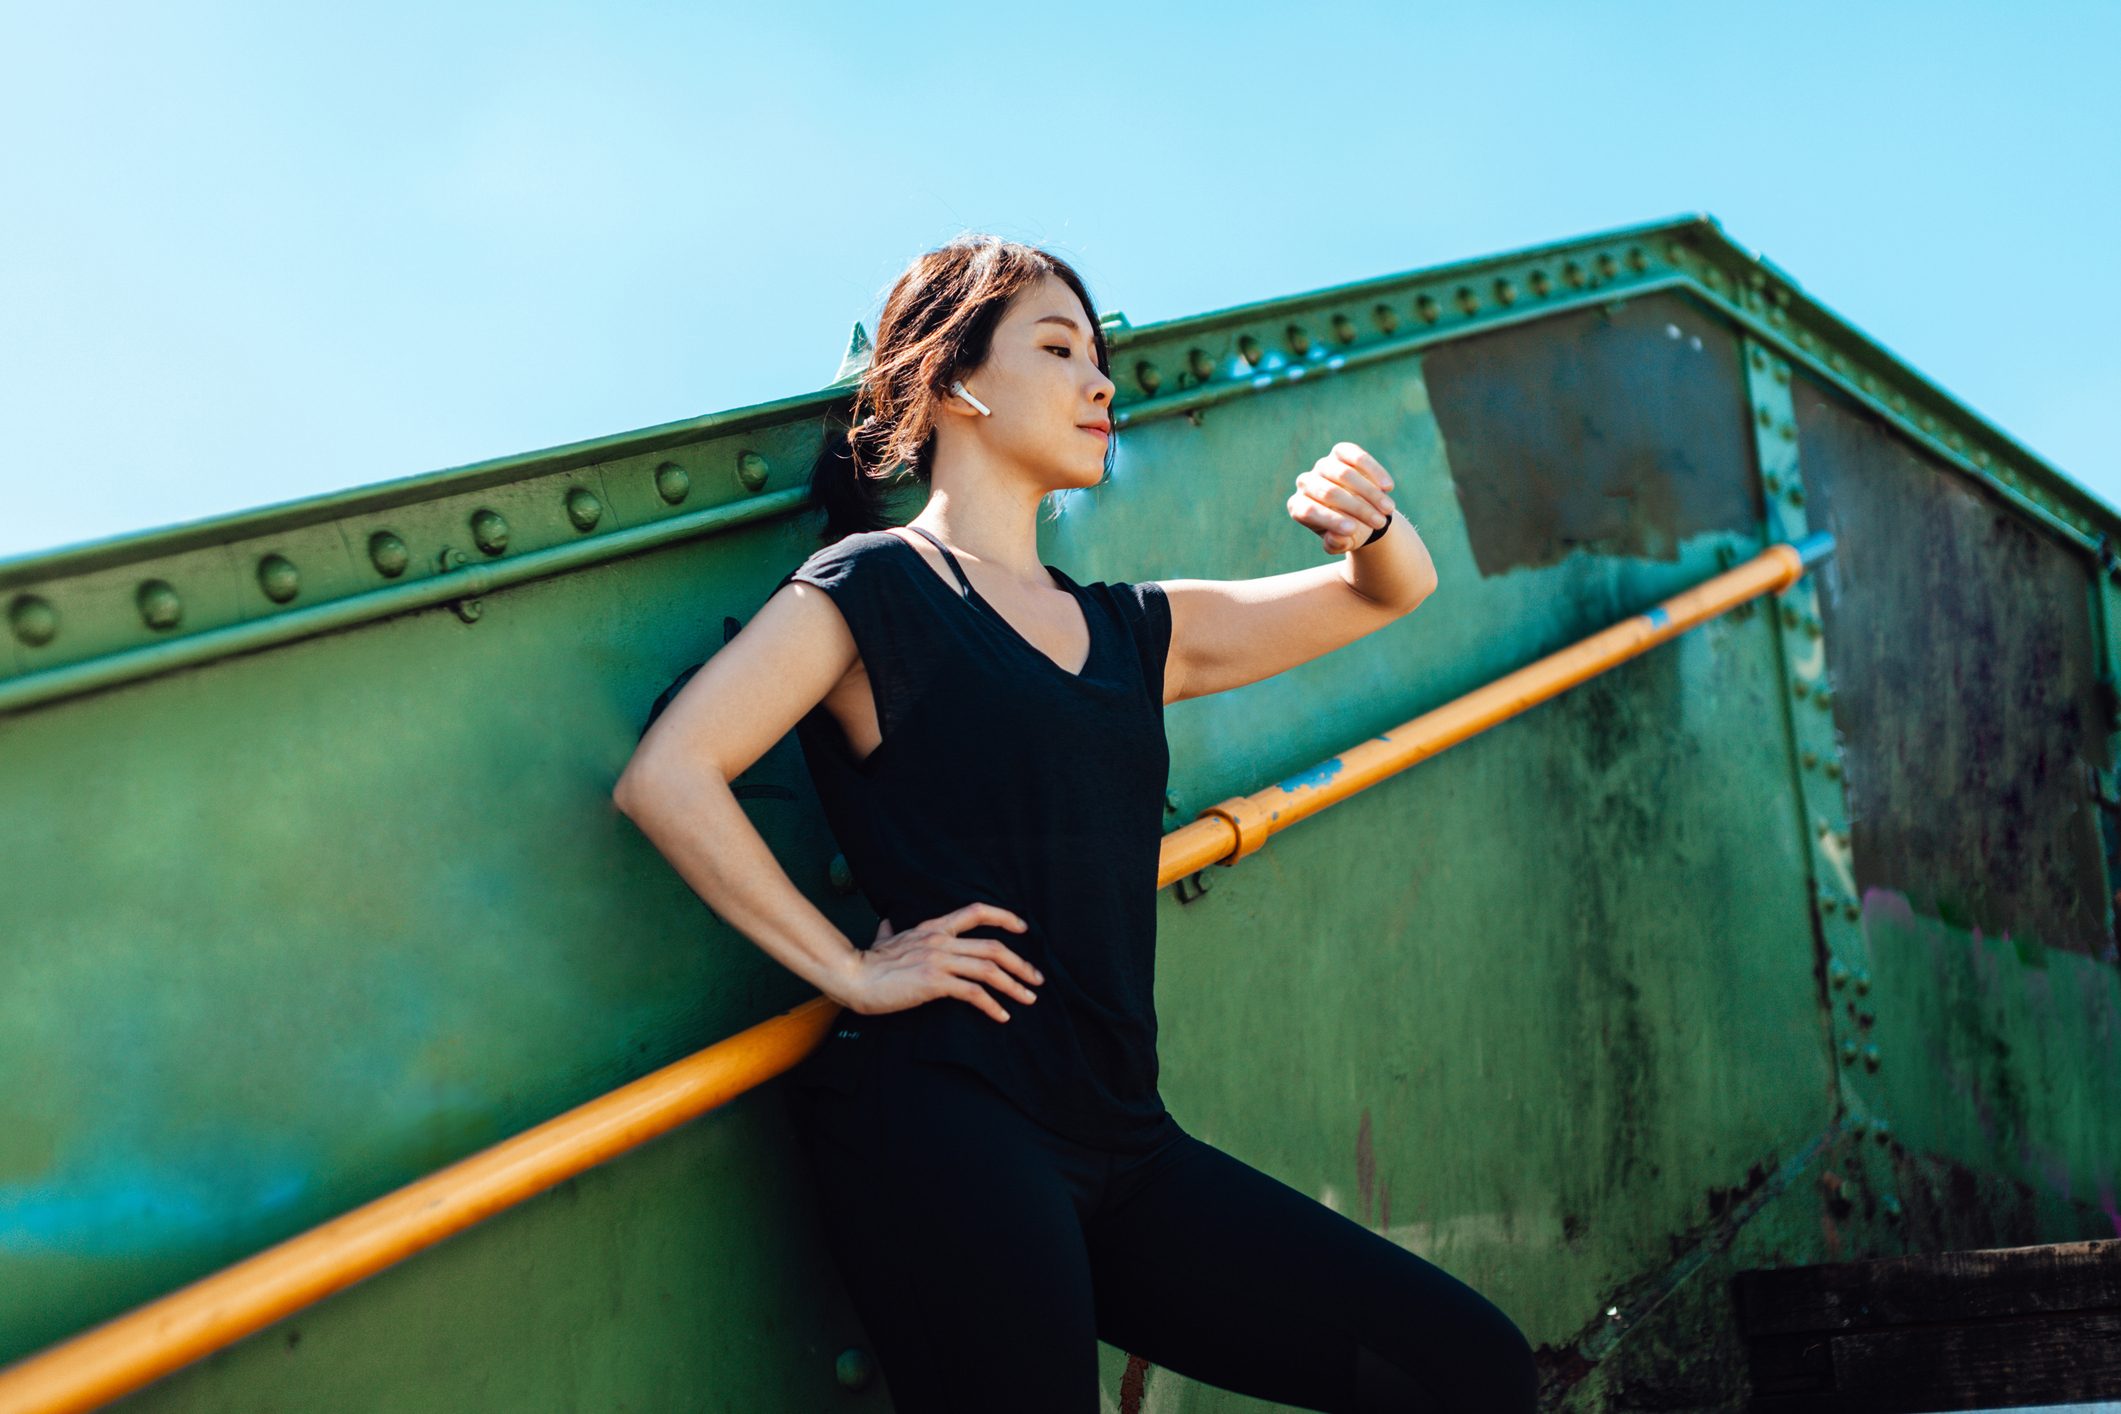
1098 432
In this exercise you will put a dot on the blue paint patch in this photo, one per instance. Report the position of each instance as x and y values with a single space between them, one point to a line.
1316 776
1658 617
126 1210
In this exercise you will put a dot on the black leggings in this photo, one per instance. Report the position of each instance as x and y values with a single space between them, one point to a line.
987 1256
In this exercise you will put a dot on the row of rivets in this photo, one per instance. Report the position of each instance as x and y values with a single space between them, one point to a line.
1869 1052
1928 424
1840 975
35 622
1201 365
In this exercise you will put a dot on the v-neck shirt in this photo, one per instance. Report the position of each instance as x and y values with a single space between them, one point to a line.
1002 777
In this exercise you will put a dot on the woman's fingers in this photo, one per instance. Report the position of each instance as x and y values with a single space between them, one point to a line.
990 972
974 915
979 996
1349 454
1327 521
1347 491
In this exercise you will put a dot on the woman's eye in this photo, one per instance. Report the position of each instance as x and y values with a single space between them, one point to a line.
1063 348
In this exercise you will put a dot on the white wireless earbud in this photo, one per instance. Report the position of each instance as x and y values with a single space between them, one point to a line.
959 389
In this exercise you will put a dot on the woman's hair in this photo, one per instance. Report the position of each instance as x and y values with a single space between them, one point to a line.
937 325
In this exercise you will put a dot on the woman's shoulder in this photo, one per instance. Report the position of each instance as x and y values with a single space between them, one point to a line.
1140 602
846 560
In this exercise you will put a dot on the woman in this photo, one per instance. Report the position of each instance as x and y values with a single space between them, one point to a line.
1001 1184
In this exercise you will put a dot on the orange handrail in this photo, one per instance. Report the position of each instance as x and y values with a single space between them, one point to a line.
130 1350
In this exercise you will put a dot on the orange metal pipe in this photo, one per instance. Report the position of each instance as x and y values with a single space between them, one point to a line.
1229 830
128 1351
131 1350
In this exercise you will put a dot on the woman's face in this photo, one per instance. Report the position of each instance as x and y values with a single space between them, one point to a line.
1044 388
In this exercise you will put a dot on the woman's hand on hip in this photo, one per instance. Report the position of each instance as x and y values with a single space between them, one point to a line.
933 959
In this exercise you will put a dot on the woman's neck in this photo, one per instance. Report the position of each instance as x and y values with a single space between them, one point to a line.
999 532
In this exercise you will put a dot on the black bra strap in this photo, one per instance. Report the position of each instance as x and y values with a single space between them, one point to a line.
955 568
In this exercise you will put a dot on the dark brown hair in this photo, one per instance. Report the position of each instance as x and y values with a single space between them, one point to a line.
937 325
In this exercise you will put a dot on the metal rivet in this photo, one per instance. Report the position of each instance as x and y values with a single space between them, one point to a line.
159 605
1637 260
1541 284
1811 759
1799 686
1789 431
1713 278
1426 310
1789 616
1607 266
1147 378
1505 294
1782 373
278 578
1387 318
1468 302
1851 908
1824 698
1863 981
1833 770
1871 1057
1572 275
1248 350
752 470
854 1369
1772 483
1299 340
1848 1052
1759 361
33 619
489 531
1201 365
1767 419
672 483
1837 974
584 509
1796 495
1344 328
388 554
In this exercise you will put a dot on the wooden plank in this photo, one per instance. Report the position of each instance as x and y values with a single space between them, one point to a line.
1952 1330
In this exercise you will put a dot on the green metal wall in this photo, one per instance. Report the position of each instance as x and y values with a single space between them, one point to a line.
1791 940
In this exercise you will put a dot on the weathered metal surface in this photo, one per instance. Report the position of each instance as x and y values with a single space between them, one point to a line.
1965 671
1618 430
302 907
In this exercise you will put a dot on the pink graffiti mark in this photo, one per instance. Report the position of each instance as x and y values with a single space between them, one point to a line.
1365 1164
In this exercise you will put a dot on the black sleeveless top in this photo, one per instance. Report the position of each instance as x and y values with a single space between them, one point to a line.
1003 778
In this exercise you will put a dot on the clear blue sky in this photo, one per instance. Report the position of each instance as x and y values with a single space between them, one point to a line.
254 252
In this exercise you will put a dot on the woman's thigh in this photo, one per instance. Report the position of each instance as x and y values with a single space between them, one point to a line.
1227 1275
958 1240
